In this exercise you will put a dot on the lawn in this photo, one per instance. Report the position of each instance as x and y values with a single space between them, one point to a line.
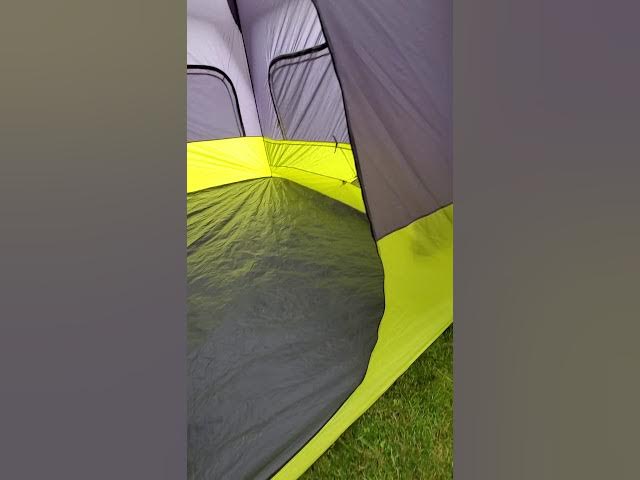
407 433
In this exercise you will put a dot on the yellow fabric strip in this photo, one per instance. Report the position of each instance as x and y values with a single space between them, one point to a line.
321 166
418 269
323 158
219 162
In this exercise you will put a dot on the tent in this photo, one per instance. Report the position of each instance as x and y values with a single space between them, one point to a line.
319 219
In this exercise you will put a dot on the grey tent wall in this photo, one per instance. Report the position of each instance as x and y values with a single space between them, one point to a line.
306 96
233 8
213 110
395 73
272 31
214 39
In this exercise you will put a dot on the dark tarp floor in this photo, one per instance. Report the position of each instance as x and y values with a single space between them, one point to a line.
285 294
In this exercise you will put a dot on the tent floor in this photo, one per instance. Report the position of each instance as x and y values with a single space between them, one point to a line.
285 295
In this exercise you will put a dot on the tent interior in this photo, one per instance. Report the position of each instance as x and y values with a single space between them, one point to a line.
319 219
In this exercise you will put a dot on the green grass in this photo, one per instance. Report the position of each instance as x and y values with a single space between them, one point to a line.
407 433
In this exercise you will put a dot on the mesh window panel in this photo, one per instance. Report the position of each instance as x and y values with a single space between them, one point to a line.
212 105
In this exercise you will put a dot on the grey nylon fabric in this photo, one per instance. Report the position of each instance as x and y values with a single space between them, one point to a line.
211 107
214 39
393 60
306 97
285 295
272 28
233 8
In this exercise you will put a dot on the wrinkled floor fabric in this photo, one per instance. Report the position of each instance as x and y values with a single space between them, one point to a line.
285 295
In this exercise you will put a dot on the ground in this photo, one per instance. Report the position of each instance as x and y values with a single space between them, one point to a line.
407 433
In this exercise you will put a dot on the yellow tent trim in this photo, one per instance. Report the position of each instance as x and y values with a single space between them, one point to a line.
219 162
325 167
323 158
